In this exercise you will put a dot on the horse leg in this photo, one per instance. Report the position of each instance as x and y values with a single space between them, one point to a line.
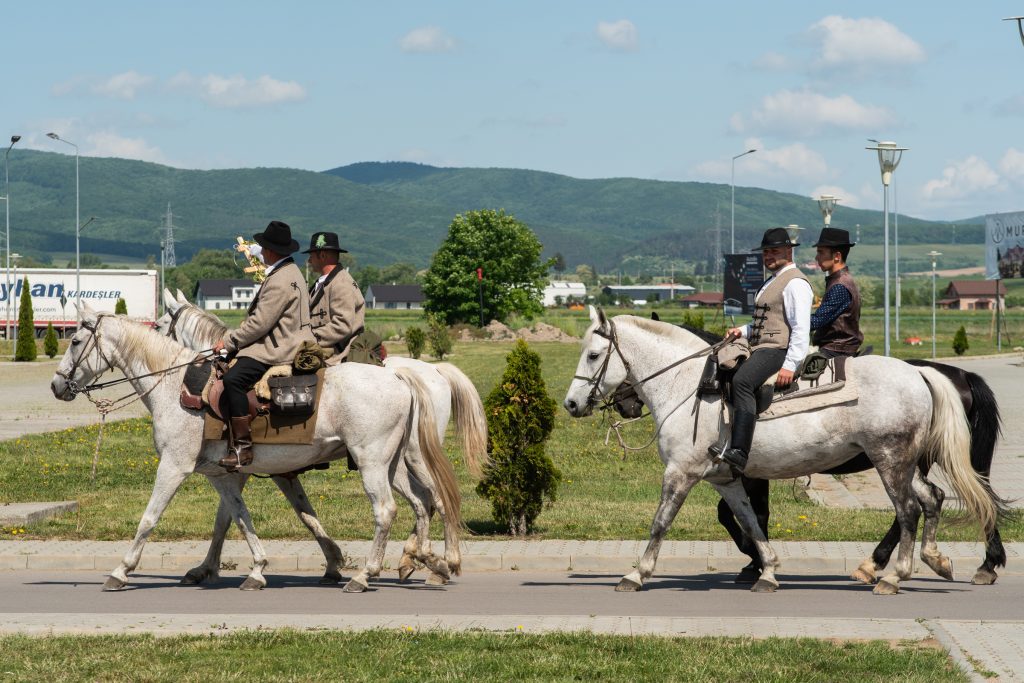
674 488
899 486
995 556
169 477
292 489
417 546
735 495
930 497
210 566
230 491
378 489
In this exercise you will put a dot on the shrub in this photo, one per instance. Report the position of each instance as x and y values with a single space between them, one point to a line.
438 338
960 343
520 417
415 340
694 319
121 307
50 341
26 348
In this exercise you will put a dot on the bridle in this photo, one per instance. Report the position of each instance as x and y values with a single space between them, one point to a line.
174 321
92 341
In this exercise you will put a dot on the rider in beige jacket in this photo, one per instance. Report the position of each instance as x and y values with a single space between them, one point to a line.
337 306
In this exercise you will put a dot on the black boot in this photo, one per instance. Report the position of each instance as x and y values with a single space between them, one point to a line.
739 445
239 445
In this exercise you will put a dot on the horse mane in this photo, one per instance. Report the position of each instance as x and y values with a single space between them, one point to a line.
141 341
208 326
681 334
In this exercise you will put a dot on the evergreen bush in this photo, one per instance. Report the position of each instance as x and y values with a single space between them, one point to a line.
26 348
50 341
415 340
520 417
960 344
438 337
121 307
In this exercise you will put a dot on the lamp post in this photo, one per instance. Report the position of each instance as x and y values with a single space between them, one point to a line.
78 232
889 155
827 204
935 255
7 230
732 184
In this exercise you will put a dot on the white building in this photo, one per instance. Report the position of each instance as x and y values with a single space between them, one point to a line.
402 297
564 290
223 295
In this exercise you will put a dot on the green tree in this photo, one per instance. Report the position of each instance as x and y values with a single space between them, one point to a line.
366 276
401 273
207 264
585 274
520 417
960 344
415 340
121 307
558 263
438 337
26 347
50 346
513 273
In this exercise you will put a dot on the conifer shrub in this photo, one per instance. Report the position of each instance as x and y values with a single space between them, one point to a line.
415 340
960 344
438 338
121 307
520 417
50 341
26 347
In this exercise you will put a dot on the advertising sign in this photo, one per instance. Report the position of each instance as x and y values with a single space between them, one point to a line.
1004 245
744 275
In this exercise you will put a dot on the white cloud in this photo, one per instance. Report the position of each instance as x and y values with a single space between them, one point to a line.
123 86
1012 164
618 35
766 164
858 43
963 178
808 113
772 61
427 39
110 144
238 91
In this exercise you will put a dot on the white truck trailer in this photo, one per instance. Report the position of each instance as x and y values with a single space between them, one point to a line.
54 294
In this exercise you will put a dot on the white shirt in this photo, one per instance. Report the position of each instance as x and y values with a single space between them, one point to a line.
797 299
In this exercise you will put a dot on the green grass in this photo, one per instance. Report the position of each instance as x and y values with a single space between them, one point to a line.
602 496
410 655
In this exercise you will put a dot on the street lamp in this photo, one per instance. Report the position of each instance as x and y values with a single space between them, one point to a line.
827 204
7 231
732 184
935 255
78 231
1020 29
889 155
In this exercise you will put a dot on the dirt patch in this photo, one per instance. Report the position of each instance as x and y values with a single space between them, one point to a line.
542 332
497 331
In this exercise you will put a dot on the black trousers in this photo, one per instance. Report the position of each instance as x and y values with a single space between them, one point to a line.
238 380
762 364
829 353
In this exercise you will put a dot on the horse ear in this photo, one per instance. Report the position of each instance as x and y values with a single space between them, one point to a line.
86 313
181 297
597 315
169 300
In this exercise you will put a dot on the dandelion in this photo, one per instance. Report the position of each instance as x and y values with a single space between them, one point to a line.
802 517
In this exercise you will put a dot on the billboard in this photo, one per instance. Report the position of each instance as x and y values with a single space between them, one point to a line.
1004 245
744 275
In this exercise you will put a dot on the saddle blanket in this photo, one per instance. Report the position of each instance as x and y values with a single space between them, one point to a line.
830 389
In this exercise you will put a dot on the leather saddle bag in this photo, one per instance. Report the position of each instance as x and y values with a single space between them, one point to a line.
295 395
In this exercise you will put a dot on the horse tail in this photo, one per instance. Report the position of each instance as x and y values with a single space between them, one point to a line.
949 444
986 423
438 467
470 422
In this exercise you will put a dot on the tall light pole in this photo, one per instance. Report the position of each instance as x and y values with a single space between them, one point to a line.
7 231
827 204
732 184
889 155
896 256
78 232
935 255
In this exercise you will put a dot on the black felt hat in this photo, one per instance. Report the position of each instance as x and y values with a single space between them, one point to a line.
324 240
776 237
834 237
278 238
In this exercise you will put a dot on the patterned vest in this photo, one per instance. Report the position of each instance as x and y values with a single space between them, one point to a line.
770 329
843 334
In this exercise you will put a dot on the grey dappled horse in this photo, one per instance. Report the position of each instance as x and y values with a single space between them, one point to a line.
452 393
904 412
367 412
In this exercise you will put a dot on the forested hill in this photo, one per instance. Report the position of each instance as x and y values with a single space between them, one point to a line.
389 212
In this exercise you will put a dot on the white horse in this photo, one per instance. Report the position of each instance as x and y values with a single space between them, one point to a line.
903 411
371 413
451 391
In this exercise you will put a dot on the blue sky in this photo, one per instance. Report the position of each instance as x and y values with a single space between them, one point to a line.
667 91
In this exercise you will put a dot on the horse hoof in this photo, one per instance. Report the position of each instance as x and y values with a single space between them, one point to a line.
887 586
331 579
628 586
764 586
355 586
404 572
984 577
863 577
251 584
114 584
748 575
436 580
945 569
193 577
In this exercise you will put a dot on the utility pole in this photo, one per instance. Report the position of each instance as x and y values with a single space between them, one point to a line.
169 239
718 241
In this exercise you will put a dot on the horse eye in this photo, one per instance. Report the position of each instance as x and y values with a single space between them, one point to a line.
593 355
75 341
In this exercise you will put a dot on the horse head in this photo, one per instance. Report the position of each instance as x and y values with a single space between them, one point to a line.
85 359
601 368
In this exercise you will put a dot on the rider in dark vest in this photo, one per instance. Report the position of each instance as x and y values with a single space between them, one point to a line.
779 337
836 323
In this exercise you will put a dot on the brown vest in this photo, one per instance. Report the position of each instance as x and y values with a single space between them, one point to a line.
770 329
843 334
